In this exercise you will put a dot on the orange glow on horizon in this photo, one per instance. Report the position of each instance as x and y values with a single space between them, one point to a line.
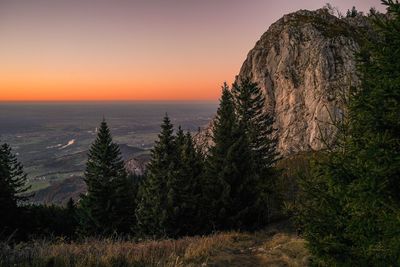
108 92
132 50
56 87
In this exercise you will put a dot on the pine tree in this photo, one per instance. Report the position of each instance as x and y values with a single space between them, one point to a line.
250 106
175 187
152 209
12 186
351 203
214 184
184 187
108 206
352 13
229 173
70 221
192 171
258 124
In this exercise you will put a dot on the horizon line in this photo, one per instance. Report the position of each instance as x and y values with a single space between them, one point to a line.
108 100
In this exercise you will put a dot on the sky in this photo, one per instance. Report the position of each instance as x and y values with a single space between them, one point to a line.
58 50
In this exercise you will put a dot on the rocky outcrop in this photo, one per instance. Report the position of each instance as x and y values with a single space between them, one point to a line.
305 63
136 166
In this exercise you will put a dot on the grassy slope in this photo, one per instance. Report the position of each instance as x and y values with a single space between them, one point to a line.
274 246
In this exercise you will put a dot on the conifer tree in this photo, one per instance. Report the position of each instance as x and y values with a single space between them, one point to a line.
229 174
193 172
351 204
352 13
108 206
250 105
152 209
12 185
174 188
258 124
184 187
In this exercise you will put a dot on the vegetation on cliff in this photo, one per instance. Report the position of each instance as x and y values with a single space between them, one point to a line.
350 202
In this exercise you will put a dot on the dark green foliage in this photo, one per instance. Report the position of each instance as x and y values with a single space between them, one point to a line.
351 202
12 185
184 189
182 197
20 222
287 184
40 221
136 181
213 186
168 202
258 125
230 177
152 210
352 13
108 206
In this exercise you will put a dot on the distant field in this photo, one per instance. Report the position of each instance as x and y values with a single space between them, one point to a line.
52 139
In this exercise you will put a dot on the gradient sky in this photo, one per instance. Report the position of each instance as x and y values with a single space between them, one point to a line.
132 49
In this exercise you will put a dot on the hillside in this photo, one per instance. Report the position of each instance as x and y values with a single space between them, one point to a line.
59 192
275 246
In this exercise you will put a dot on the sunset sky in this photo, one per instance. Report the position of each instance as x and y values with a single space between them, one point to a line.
132 49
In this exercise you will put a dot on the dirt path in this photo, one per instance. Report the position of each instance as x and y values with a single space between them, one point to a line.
265 248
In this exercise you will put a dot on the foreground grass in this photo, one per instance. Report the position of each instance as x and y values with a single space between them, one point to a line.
270 247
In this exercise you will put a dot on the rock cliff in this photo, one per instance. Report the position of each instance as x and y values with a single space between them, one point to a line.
136 166
304 63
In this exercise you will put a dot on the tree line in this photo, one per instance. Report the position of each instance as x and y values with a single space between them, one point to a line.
184 190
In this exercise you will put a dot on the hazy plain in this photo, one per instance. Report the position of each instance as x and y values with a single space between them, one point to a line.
51 139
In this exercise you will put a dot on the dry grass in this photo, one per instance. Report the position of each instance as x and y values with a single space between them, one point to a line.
263 248
286 250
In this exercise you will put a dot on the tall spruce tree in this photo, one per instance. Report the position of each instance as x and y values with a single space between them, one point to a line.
229 177
192 171
184 187
152 213
108 206
351 204
258 124
12 186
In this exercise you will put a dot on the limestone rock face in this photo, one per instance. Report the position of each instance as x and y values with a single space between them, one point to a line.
135 166
304 63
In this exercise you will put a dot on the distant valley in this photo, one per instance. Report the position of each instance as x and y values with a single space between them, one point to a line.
52 139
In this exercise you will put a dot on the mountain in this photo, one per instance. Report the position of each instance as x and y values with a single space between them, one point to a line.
304 63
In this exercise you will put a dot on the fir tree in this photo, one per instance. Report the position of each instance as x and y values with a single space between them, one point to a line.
351 203
258 126
229 171
108 206
192 171
250 105
184 187
352 13
12 186
152 210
